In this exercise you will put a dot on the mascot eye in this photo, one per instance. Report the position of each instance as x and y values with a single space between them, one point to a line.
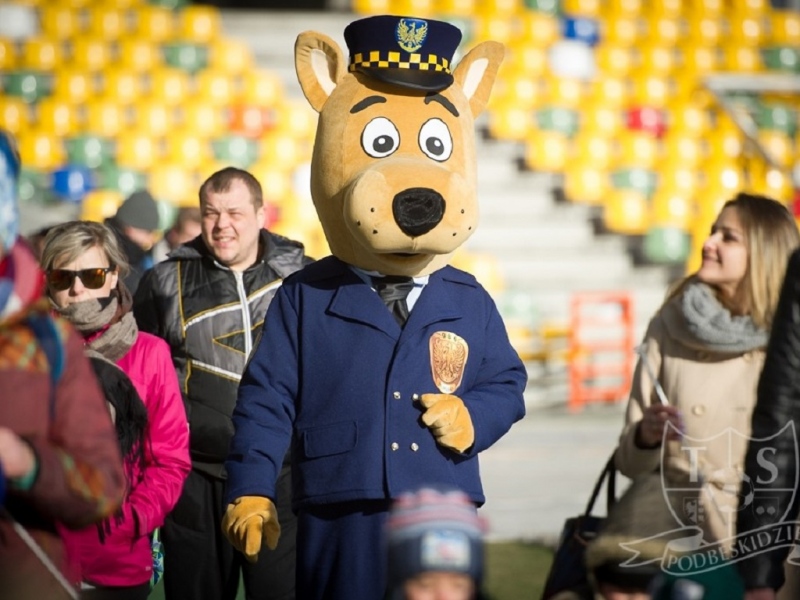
380 138
435 140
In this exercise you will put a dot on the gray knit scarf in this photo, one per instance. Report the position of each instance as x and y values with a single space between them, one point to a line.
114 314
698 320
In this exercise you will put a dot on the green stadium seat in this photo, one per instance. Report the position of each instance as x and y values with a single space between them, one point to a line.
640 180
89 150
121 179
782 58
28 85
666 245
776 117
186 56
236 150
559 119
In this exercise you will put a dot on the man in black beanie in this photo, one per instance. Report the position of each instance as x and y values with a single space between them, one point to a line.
136 227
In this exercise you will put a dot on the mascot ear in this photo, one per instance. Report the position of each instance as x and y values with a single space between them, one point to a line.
319 63
477 71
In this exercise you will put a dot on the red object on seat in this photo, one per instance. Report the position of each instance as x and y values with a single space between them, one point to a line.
647 119
251 121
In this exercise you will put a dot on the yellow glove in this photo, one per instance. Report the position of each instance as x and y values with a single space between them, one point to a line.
449 421
249 521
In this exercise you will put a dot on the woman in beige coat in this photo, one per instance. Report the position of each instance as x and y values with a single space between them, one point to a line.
706 347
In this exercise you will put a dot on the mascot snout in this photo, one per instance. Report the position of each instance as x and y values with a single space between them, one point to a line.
418 210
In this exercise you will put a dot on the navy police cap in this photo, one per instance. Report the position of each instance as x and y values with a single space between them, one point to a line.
405 51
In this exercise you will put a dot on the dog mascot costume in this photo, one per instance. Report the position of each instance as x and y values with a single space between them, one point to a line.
373 404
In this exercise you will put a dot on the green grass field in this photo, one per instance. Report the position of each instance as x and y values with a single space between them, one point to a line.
515 571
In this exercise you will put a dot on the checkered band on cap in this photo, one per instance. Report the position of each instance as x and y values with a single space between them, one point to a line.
399 60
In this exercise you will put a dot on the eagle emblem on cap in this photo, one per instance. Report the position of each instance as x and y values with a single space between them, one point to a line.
411 34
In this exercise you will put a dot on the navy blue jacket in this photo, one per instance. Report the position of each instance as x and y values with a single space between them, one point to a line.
335 376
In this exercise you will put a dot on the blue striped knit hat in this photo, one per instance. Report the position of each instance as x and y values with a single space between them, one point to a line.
434 529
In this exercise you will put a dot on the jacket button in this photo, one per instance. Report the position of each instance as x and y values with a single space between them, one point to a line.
395 446
415 397
396 395
698 410
414 447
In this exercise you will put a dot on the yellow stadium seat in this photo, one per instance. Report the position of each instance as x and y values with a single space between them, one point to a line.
139 55
565 92
547 151
492 27
216 87
171 182
126 4
525 60
785 27
275 181
105 117
154 24
510 122
726 144
521 92
199 23
202 118
296 118
262 88
585 182
283 151
40 149
691 149
773 183
581 8
99 205
626 211
372 7
505 8
539 29
742 58
706 30
420 8
59 22
778 145
723 175
629 8
672 9
754 7
621 30
673 208
187 149
231 56
89 53
602 119
454 8
590 148
689 119
8 54
59 117
658 59
639 150
676 177
107 22
614 60
664 30
611 91
169 85
15 115
75 86
124 87
748 29
152 117
41 54
706 8
651 90
137 150
699 59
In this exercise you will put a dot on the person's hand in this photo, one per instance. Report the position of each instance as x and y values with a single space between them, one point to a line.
16 455
760 594
650 431
449 421
249 521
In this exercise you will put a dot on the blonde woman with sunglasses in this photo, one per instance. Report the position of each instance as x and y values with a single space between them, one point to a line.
84 267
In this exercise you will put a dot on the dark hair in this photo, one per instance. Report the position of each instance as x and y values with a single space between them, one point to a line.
221 182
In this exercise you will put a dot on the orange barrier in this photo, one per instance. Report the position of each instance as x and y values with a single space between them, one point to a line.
601 344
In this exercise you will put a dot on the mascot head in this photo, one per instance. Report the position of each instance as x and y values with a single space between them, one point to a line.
393 175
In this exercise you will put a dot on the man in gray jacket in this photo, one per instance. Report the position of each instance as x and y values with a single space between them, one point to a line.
208 301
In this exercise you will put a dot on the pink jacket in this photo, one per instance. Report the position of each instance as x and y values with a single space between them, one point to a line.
124 558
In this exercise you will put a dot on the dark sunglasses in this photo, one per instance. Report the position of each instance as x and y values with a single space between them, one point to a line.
93 279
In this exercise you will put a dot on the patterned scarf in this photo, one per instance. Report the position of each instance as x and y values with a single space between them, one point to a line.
106 324
21 280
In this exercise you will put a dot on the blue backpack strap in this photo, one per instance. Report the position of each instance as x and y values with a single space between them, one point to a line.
49 339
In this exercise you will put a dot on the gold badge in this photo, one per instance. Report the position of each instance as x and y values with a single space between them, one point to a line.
448 359
411 34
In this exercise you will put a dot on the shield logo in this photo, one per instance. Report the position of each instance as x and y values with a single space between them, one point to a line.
720 484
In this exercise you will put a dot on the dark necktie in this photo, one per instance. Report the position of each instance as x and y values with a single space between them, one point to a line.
393 290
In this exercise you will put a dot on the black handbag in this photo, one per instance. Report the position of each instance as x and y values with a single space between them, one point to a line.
568 570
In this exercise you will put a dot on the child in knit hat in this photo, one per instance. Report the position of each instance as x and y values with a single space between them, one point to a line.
435 546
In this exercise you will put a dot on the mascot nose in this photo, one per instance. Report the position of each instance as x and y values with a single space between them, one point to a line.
418 210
